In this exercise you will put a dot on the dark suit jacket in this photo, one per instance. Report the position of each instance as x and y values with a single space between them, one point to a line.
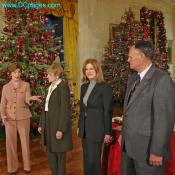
149 115
98 121
59 119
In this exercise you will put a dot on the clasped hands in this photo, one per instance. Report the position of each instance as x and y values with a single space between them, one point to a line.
59 135
107 139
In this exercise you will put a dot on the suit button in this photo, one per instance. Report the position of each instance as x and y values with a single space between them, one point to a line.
85 114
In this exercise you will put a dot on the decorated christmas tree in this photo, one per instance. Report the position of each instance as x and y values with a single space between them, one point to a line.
115 67
26 40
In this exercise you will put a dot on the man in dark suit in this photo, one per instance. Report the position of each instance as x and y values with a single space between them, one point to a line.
148 115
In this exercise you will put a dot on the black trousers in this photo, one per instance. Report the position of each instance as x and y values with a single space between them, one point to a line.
92 157
57 162
131 166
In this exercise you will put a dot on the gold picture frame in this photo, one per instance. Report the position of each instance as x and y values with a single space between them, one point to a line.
170 53
112 29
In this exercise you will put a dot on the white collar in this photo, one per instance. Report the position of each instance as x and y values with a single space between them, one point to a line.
50 90
57 82
52 87
143 73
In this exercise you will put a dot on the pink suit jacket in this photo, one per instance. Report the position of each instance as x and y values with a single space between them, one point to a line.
15 102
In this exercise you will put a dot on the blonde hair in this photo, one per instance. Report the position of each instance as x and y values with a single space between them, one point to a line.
97 67
56 69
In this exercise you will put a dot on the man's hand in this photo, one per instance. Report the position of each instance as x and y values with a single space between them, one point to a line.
59 135
155 160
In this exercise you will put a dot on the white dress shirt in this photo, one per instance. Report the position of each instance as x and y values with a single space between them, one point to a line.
143 73
50 90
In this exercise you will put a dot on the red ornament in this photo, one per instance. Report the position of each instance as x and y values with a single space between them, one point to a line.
34 125
40 72
34 30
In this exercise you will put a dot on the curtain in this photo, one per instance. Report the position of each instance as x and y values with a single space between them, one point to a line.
68 10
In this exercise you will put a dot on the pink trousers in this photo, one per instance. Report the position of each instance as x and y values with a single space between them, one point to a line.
22 127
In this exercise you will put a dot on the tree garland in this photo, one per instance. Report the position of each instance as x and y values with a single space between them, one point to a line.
153 22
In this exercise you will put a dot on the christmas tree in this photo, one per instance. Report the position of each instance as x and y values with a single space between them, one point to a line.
26 40
115 67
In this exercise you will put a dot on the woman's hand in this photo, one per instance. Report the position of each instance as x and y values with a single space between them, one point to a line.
40 130
107 139
59 135
78 131
4 119
36 98
120 140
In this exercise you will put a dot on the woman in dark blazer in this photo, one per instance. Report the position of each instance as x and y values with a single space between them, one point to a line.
94 125
55 122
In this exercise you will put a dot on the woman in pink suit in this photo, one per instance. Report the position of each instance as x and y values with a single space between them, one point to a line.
16 115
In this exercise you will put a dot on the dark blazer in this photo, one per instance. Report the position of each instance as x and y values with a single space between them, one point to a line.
149 116
98 119
59 119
